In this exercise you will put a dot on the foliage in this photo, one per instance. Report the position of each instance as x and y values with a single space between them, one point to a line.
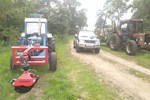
115 9
112 10
12 14
141 9
63 17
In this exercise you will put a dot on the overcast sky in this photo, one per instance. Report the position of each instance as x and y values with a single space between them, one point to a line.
92 7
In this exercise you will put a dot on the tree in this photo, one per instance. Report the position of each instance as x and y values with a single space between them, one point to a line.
12 14
115 9
63 16
141 9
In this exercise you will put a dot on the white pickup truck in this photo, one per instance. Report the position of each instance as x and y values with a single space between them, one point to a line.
86 40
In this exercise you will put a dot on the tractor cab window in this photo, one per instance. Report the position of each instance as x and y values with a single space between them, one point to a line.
131 27
124 27
35 28
139 27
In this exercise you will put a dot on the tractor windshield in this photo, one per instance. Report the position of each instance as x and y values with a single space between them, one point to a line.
35 28
139 27
135 27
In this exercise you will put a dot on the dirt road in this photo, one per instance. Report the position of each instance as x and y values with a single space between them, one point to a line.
123 75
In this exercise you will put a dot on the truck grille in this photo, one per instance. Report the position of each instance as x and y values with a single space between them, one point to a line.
89 41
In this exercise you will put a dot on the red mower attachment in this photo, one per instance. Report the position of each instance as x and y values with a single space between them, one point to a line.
26 81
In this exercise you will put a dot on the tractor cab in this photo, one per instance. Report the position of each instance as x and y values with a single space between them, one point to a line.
130 27
35 32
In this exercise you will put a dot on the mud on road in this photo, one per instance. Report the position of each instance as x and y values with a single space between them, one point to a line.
122 74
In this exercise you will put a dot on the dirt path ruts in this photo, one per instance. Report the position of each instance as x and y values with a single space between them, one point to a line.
113 70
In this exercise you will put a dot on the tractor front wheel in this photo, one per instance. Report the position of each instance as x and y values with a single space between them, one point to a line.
51 45
52 61
131 47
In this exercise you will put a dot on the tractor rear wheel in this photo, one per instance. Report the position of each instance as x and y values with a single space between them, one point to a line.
51 45
114 42
12 66
131 47
52 61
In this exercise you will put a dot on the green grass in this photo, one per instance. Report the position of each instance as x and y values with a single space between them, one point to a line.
142 57
141 75
72 80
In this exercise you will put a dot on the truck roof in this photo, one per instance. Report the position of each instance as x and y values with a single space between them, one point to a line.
35 20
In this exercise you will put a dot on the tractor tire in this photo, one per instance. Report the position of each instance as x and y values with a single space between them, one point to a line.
131 47
97 51
78 49
51 45
52 61
12 66
114 42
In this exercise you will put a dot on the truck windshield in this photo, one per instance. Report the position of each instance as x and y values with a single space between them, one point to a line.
35 28
87 34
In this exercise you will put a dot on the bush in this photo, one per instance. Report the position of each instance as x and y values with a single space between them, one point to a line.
9 36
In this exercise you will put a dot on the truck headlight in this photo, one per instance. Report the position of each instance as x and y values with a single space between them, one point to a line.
97 41
81 41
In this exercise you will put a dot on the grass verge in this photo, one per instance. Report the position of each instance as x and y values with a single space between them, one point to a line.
73 80
140 75
142 57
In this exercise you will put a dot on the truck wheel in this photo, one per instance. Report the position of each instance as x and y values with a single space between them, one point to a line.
12 66
74 44
52 61
131 47
97 51
51 45
78 49
114 42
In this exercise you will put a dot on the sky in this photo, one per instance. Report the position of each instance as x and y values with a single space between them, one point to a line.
92 7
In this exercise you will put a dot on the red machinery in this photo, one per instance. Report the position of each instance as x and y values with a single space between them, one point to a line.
29 53
37 47
22 55
26 81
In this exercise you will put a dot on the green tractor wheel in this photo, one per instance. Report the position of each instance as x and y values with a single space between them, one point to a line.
52 61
